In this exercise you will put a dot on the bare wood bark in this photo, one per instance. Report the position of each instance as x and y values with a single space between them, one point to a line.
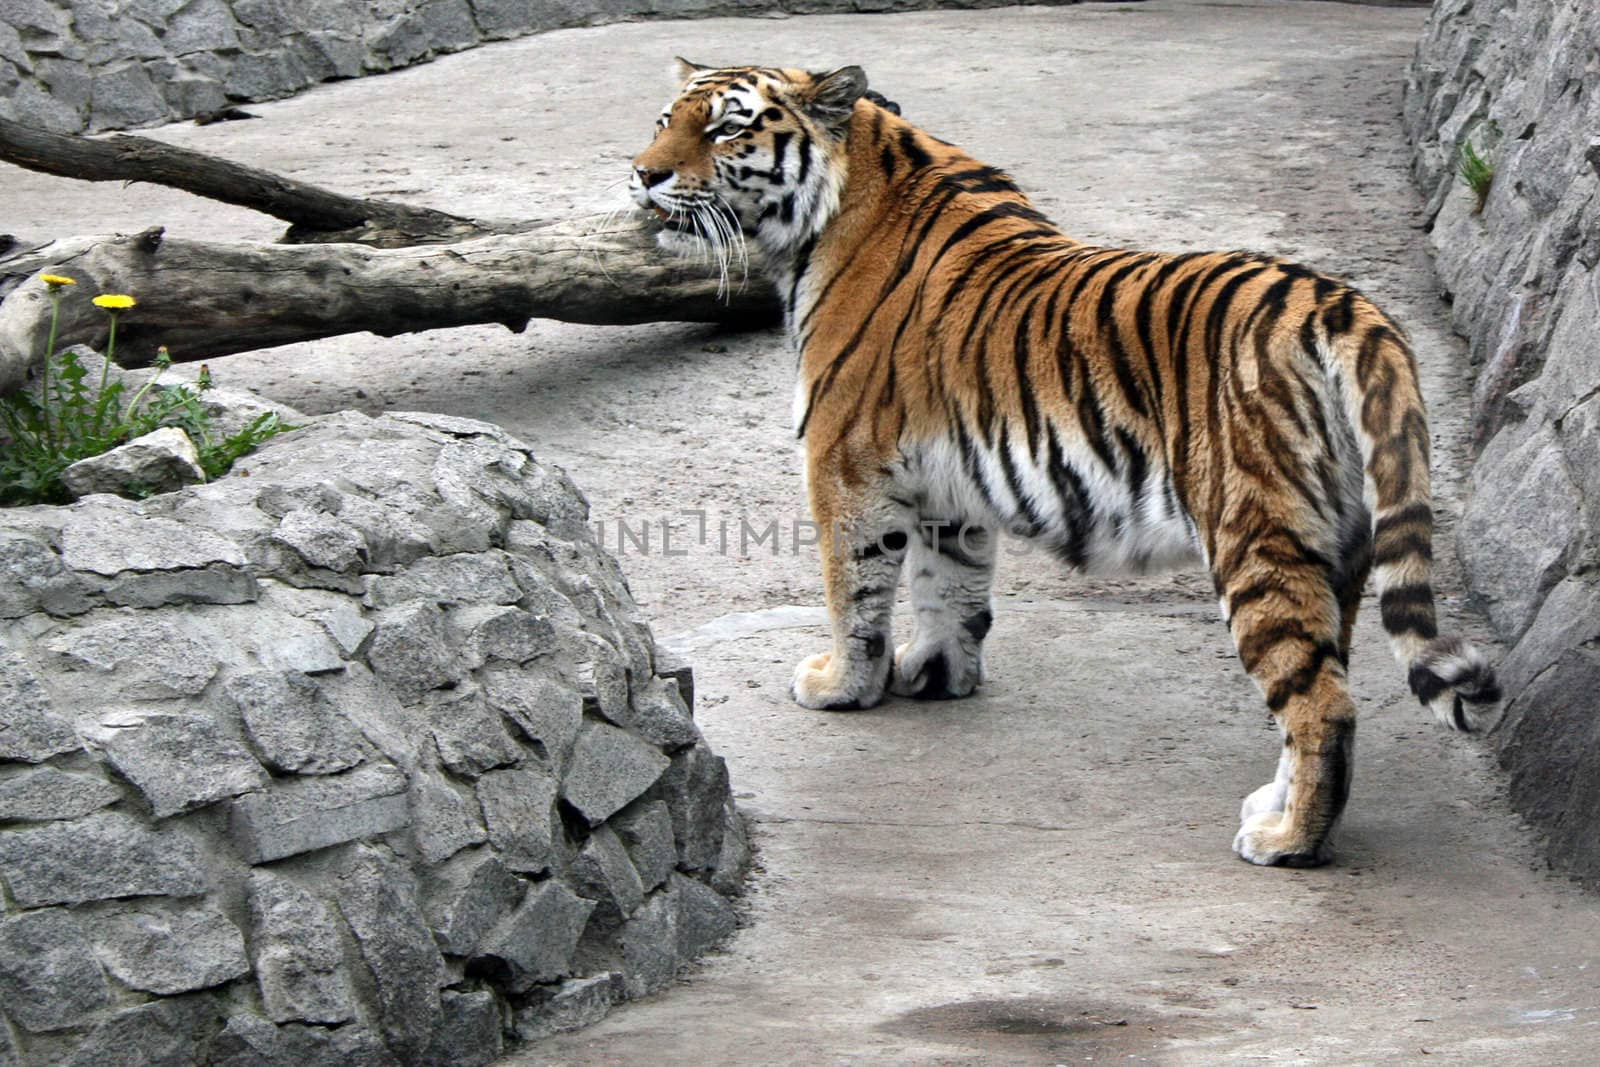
204 300
312 212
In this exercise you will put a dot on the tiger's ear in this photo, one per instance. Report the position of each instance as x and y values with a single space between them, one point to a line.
684 70
832 97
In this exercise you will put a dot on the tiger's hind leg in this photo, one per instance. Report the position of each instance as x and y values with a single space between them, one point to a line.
1288 625
952 568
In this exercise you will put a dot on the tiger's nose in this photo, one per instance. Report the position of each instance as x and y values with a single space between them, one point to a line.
651 178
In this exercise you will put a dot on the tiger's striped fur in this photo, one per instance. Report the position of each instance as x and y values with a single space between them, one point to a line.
965 368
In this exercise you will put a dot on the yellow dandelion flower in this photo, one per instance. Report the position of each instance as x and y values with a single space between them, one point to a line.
55 281
114 301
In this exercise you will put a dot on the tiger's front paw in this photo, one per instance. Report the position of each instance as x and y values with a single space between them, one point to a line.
818 685
1266 839
935 671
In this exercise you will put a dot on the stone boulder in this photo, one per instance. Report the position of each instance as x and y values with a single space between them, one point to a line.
157 462
360 754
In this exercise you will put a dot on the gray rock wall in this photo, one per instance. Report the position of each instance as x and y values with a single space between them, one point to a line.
73 65
360 754
1521 82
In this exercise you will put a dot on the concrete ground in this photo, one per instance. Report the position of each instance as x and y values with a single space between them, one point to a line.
1041 874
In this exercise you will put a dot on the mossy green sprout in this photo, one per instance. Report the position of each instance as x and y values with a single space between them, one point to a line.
1475 170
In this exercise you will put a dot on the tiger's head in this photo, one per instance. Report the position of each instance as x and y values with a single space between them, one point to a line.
753 151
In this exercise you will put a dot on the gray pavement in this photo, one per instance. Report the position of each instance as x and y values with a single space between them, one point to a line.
1041 874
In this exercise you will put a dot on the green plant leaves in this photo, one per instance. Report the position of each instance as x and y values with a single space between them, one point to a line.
74 420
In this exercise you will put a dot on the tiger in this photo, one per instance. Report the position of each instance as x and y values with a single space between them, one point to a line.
967 370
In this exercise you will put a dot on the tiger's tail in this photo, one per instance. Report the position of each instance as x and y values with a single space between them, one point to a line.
1376 373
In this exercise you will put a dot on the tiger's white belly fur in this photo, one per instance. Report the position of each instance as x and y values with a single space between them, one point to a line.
1125 529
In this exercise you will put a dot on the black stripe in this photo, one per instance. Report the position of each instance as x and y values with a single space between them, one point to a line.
1257 643
1092 417
915 154
1249 595
1021 347
1077 513
974 465
1220 306
1300 682
977 625
1372 344
1113 334
801 264
1339 317
780 148
1138 467
1408 609
1014 482
1394 548
1143 315
1425 684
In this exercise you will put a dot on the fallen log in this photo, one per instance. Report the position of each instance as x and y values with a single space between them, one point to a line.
313 213
350 266
203 300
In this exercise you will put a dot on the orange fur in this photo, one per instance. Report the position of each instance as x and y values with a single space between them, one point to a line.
961 360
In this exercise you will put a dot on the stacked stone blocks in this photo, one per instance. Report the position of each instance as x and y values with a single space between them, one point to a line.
362 754
1521 84
74 65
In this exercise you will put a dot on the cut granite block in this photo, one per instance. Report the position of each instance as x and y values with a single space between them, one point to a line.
298 943
169 948
650 945
546 711
603 872
29 730
695 788
445 818
609 768
292 724
413 649
468 897
519 808
322 540
110 537
163 1033
250 1041
657 714
646 829
179 762
733 861
303 814
44 794
505 633
98 857
474 578
33 578
378 898
570 1005
137 656
49 978
471 736
703 916
469 1035
536 942
160 461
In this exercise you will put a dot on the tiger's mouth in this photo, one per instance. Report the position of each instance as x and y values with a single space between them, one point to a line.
677 221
